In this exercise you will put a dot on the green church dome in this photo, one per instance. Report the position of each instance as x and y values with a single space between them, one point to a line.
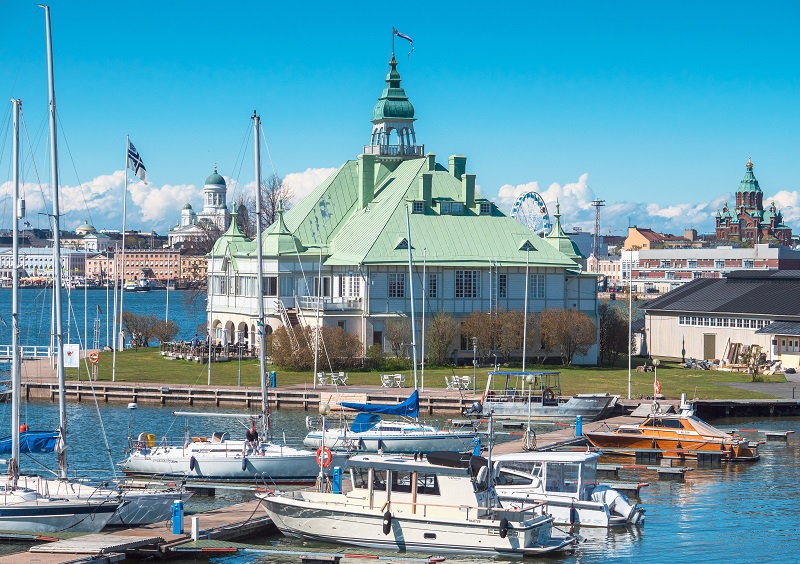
749 182
215 179
393 103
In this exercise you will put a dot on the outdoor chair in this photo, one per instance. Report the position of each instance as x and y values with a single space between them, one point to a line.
387 380
321 379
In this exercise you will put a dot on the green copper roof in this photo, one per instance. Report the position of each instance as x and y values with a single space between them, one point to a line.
279 240
559 240
749 182
187 206
232 238
393 103
215 179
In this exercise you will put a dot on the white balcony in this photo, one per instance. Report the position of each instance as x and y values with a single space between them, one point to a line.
395 150
309 303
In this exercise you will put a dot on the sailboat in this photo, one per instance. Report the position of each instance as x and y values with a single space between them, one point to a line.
370 432
219 457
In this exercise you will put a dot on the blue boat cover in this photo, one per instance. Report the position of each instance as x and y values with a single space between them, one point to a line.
364 422
408 408
32 441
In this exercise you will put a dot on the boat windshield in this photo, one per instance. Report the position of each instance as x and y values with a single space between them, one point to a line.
562 477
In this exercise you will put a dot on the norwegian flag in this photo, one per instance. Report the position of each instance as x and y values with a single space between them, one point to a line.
135 162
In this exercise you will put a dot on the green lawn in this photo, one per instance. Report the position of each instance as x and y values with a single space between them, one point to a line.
148 366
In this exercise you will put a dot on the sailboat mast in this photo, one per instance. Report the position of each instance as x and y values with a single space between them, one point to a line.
411 295
16 382
262 358
59 330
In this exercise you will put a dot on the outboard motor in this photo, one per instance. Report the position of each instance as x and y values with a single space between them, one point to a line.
475 409
617 503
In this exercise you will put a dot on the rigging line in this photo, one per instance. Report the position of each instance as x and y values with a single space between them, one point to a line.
65 140
91 385
239 163
308 292
269 154
39 182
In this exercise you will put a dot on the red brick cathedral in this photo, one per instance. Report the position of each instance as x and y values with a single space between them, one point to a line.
748 221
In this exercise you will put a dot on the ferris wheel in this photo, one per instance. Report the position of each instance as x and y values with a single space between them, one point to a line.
531 211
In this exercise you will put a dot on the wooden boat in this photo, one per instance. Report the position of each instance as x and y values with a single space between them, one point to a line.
681 432
444 502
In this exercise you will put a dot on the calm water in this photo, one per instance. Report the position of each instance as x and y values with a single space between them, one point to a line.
739 513
35 313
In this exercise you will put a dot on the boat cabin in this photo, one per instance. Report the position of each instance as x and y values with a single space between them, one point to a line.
561 474
544 387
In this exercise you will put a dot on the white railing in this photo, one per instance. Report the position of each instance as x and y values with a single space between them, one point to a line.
328 304
395 150
287 323
29 351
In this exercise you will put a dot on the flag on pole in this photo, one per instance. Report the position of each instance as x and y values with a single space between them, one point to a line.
406 37
135 162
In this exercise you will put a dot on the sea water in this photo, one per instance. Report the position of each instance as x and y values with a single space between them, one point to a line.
741 512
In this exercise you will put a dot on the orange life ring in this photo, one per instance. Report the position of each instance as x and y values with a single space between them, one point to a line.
324 457
94 357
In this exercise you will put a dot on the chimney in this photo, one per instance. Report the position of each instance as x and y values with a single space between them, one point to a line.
468 189
425 183
366 180
431 161
458 165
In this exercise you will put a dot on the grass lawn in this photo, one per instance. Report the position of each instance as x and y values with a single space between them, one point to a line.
148 366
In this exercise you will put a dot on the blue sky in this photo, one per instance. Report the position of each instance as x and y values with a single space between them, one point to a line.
653 107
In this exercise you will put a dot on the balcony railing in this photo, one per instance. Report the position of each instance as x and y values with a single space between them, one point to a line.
395 150
309 303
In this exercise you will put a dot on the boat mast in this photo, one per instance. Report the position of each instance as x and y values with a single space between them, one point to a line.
13 464
411 295
59 330
262 353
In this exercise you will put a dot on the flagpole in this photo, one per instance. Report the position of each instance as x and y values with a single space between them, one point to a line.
393 30
118 329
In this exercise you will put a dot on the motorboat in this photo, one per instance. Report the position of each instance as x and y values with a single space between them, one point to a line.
441 502
219 458
567 483
682 433
370 432
537 395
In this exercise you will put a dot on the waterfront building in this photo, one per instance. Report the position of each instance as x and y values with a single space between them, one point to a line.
159 264
194 268
748 221
38 262
342 251
640 238
87 238
707 317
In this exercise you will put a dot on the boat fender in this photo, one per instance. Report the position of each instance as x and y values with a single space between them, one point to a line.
192 463
548 395
573 514
244 463
503 527
387 523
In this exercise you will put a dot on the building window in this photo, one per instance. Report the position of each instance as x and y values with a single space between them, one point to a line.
468 283
719 264
696 275
444 207
691 263
502 285
397 285
536 286
326 286
747 264
418 207
270 285
665 264
433 289
486 208
350 285
457 208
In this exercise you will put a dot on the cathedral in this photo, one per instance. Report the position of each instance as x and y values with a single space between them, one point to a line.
193 227
748 221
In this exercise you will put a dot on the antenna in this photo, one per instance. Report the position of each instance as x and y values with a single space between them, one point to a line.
597 204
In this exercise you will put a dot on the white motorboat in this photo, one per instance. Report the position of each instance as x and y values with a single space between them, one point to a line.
566 482
443 502
509 395
222 459
369 432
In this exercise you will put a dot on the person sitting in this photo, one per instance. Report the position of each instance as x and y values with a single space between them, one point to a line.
251 437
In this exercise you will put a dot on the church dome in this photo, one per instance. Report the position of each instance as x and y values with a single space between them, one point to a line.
85 229
749 182
215 179
393 103
187 205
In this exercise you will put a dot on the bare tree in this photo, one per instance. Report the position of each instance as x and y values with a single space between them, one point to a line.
483 325
274 191
440 337
568 331
398 333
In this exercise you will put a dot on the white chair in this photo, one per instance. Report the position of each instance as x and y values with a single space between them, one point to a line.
339 379
451 382
400 380
464 382
387 380
322 380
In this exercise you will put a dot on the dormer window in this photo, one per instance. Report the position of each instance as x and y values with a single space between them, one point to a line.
486 208
418 207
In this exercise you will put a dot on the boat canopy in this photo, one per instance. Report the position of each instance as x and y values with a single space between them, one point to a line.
364 422
32 441
408 408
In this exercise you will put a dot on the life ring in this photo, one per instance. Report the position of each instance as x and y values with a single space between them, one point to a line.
94 357
324 457
548 395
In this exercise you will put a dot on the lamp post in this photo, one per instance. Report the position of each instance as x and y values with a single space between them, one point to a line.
474 362
529 380
526 246
324 409
239 349
656 385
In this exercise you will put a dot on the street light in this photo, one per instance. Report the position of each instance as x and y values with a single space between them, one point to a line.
656 384
527 247
529 380
324 409
474 362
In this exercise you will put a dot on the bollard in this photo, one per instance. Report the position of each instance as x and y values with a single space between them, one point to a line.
273 379
476 446
336 480
195 529
578 426
177 517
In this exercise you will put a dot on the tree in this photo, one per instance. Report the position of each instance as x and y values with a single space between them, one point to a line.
568 331
340 348
165 331
274 191
139 328
510 325
613 333
483 325
753 358
534 344
212 232
440 337
398 333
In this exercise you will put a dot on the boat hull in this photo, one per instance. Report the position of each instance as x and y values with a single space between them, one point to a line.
29 512
393 443
590 407
688 447
365 528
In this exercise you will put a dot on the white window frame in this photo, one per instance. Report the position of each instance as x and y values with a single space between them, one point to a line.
468 284
536 286
396 285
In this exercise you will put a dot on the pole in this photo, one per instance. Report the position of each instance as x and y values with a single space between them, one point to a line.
107 296
525 320
169 272
630 324
62 392
209 340
316 331
16 382
85 305
411 295
124 227
424 292
262 353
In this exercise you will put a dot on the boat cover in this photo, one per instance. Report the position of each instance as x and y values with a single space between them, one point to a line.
408 408
364 422
31 441
457 460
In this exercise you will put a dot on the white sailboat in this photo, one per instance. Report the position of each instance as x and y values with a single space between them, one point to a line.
219 457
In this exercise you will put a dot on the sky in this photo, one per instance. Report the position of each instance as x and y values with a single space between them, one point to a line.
653 107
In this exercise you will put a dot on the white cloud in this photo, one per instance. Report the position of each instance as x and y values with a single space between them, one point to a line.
302 183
